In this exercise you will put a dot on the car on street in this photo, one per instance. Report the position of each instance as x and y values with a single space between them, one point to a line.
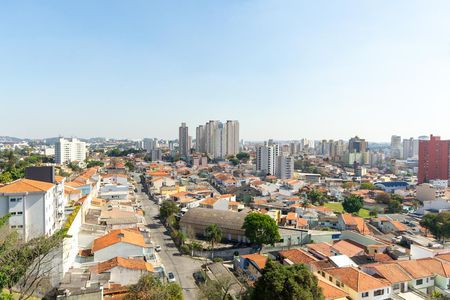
158 248
171 277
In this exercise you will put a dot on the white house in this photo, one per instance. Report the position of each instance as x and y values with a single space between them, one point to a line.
121 242
36 207
124 271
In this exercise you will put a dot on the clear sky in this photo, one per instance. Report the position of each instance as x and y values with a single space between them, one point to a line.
284 69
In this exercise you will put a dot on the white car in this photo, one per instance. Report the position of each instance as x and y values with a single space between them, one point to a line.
157 248
171 277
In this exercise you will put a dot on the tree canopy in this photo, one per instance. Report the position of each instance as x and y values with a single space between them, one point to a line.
213 234
168 208
261 229
315 196
285 282
25 265
243 156
352 203
437 224
151 288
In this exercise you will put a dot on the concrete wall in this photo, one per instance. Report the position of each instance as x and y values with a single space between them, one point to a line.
119 249
126 276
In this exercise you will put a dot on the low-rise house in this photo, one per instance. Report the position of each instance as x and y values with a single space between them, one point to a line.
215 203
331 292
124 271
359 285
344 247
121 242
320 250
251 264
350 222
296 256
115 179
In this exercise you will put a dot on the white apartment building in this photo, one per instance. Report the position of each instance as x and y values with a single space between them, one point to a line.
149 144
218 139
265 158
69 150
36 207
285 167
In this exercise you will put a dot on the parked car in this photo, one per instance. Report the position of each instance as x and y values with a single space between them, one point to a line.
158 248
171 277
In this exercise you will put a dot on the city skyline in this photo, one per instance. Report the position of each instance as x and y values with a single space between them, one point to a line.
284 70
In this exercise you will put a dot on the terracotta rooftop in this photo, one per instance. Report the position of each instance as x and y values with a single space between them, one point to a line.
321 248
297 256
258 259
356 280
391 272
26 186
133 264
346 248
331 292
118 236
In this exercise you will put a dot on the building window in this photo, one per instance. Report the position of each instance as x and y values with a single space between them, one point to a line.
419 281
20 213
13 226
12 199
330 278
338 283
19 226
365 294
396 286
378 292
13 213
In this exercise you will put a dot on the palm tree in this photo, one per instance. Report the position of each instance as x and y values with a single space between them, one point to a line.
213 234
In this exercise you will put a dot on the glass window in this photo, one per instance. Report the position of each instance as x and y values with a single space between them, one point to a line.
365 294
378 292
419 281
13 200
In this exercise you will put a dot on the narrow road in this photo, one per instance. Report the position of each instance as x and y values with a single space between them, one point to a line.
183 267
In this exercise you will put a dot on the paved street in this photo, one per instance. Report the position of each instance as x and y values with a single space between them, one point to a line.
182 266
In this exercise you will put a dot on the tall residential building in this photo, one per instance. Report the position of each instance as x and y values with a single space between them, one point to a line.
266 156
183 140
433 159
357 145
149 144
218 139
69 150
232 137
200 139
410 148
396 147
284 167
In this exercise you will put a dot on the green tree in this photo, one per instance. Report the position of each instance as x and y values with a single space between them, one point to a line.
167 209
151 288
394 206
243 156
352 203
367 186
213 234
95 163
383 198
234 161
26 265
130 165
261 229
6 177
316 196
286 282
437 224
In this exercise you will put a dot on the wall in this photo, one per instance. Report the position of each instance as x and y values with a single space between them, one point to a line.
126 276
119 249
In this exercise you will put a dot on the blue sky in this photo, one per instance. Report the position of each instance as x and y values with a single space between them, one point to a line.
284 69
